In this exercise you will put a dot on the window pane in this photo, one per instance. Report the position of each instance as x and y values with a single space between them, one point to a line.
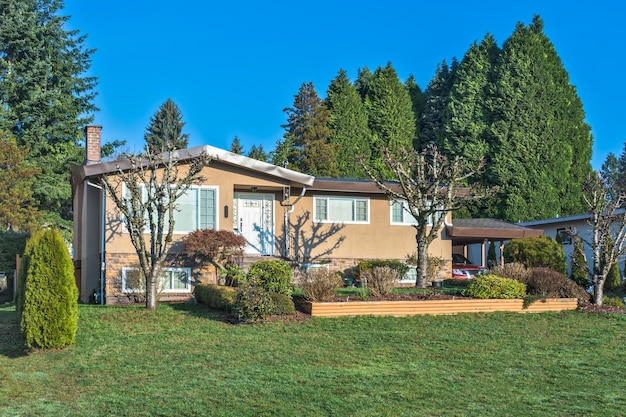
207 209
396 212
361 210
179 280
321 209
341 209
132 280
165 280
185 214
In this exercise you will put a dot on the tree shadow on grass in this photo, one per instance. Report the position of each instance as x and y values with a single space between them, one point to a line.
11 343
200 310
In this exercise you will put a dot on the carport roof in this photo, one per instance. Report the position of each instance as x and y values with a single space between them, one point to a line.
469 231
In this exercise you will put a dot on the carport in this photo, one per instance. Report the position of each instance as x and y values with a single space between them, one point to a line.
465 232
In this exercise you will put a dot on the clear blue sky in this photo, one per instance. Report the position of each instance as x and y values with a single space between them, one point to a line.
232 67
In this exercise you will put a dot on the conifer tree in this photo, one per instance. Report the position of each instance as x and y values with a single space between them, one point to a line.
46 98
18 211
363 79
437 98
48 306
540 142
258 153
308 132
418 100
579 266
165 131
235 146
348 124
390 115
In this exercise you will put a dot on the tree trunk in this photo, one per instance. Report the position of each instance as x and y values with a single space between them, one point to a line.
598 290
422 264
151 293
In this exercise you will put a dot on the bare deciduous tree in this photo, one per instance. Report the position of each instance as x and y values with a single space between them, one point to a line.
608 229
145 190
428 185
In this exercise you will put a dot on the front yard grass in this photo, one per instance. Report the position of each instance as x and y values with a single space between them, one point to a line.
184 360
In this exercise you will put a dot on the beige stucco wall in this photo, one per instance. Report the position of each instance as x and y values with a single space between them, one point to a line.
378 239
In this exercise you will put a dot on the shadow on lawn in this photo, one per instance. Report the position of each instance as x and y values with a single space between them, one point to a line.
11 344
200 310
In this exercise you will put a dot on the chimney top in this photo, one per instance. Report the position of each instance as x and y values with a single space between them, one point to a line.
92 144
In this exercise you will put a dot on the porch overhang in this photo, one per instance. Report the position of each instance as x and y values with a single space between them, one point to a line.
471 231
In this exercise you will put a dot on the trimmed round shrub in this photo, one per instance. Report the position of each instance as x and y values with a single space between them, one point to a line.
48 294
542 251
283 305
319 284
399 266
254 303
548 283
493 286
271 275
380 280
219 297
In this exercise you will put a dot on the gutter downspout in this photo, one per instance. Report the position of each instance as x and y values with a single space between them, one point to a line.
102 224
286 219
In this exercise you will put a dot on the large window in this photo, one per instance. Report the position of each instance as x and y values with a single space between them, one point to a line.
196 209
170 280
341 209
400 214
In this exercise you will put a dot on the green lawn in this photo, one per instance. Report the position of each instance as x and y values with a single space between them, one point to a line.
183 361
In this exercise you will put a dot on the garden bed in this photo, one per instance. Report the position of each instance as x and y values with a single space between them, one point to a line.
433 305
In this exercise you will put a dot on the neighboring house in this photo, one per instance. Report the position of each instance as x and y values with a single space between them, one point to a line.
334 222
566 227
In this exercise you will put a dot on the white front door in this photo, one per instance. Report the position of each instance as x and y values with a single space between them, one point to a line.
255 222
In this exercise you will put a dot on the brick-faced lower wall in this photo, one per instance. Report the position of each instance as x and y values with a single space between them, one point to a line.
200 274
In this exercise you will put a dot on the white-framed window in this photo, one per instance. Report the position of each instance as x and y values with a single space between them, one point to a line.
341 209
566 235
170 280
400 214
196 209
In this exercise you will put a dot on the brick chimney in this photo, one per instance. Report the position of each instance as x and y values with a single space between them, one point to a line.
92 144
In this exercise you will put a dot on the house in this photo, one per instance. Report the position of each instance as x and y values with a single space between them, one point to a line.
335 222
566 227
280 212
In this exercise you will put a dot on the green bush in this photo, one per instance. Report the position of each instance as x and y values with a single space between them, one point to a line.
493 286
271 275
613 278
452 282
319 284
542 251
395 264
580 268
254 303
215 296
283 305
551 284
48 294
612 301
380 280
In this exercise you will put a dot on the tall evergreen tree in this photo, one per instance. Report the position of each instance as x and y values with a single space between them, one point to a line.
466 117
258 153
418 99
45 96
307 130
431 125
541 144
348 124
235 146
165 131
18 211
390 114
363 79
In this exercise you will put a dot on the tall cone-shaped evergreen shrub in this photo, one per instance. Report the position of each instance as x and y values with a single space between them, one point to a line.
47 297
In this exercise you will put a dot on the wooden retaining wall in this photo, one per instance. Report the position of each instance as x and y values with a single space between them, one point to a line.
412 308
